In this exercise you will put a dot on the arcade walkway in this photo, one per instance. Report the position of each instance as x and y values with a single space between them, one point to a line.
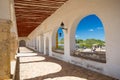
35 66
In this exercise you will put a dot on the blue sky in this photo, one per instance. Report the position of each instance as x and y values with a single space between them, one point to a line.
90 27
60 31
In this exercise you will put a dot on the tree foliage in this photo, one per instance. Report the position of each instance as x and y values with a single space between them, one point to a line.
88 43
61 41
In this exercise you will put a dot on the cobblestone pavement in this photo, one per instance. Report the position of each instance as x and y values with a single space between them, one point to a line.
35 66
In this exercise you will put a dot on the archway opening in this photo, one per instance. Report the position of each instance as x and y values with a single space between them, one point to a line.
58 38
90 39
22 43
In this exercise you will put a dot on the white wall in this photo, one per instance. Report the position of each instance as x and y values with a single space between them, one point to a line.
13 18
5 9
71 13
47 43
7 13
41 44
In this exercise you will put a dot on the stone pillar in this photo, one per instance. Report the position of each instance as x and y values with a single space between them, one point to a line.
13 45
4 49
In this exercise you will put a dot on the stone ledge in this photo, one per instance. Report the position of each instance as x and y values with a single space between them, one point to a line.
58 51
90 56
5 21
13 68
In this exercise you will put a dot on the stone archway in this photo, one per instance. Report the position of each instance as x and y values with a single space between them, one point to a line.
90 38
73 30
58 40
22 43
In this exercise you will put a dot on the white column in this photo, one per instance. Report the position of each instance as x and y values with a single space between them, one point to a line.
40 43
37 43
66 46
44 41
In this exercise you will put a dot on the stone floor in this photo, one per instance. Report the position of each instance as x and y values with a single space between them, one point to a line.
35 66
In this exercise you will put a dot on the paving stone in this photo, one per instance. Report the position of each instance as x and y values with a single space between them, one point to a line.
36 66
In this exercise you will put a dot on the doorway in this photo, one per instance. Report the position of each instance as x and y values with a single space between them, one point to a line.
22 43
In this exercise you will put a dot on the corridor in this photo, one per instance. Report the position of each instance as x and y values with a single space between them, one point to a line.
36 66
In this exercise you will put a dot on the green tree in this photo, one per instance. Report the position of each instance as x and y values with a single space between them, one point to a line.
61 41
88 43
79 41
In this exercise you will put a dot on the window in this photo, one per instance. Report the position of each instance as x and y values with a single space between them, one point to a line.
90 39
59 41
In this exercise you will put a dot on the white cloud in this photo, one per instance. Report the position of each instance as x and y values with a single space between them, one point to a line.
76 36
91 30
99 28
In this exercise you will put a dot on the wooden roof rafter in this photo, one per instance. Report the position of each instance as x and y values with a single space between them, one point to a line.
31 13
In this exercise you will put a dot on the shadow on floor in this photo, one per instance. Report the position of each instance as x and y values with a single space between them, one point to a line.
71 72
17 70
34 68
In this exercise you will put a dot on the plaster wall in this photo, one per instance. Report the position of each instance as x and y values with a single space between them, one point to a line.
71 13
13 18
4 50
4 9
41 43
47 43
8 38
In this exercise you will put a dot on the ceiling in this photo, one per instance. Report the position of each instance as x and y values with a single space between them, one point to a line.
31 13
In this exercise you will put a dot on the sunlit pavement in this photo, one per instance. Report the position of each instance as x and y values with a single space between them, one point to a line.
40 67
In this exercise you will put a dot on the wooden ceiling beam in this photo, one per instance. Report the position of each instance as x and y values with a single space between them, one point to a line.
35 8
34 11
31 13
38 3
28 5
41 1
